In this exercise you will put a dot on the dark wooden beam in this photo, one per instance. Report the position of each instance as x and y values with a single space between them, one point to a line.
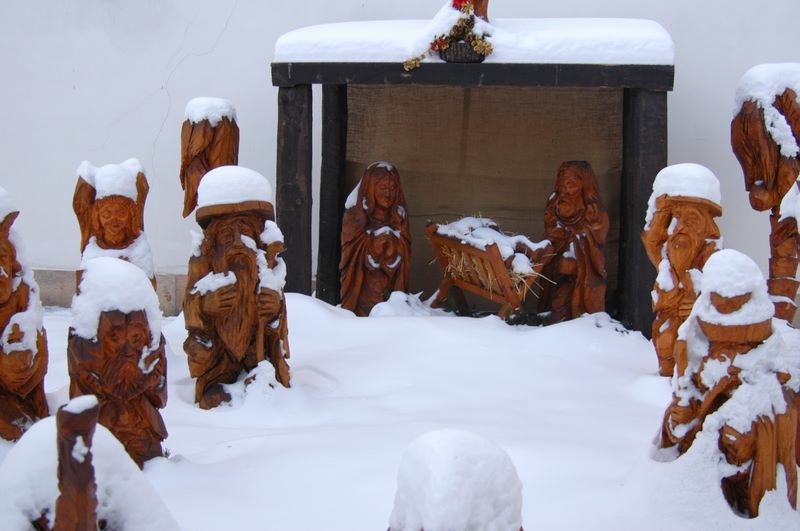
331 191
651 77
293 176
644 155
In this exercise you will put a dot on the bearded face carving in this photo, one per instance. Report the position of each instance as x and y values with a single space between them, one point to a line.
114 222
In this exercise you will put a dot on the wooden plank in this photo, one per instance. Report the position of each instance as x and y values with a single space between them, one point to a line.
644 155
652 77
331 191
293 176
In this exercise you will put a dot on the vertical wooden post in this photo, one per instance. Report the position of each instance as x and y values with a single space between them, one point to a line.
644 155
293 176
332 193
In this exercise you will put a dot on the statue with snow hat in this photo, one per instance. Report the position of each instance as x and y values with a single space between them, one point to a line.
376 241
109 203
23 344
234 305
736 383
117 353
679 235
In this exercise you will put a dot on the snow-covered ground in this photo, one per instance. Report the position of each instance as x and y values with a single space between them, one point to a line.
575 405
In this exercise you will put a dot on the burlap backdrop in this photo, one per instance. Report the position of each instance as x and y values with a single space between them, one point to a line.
489 151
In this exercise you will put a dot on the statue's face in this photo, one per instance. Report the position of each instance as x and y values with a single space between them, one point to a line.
7 258
124 335
687 237
569 190
385 192
114 221
230 250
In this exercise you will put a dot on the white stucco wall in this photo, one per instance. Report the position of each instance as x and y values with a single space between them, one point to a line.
106 80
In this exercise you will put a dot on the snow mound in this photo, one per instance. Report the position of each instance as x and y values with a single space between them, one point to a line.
232 184
112 179
211 109
138 253
402 304
111 284
29 483
762 84
6 204
684 180
456 480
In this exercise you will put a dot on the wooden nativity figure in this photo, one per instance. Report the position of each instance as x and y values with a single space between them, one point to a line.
117 353
765 134
209 139
734 392
23 344
376 241
234 305
575 230
679 235
109 203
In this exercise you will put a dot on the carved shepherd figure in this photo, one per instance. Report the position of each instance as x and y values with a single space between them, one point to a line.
117 353
23 344
679 235
234 306
736 385
576 226
765 134
109 203
376 241
209 139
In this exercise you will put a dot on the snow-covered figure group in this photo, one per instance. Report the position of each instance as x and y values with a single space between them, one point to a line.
234 306
735 385
109 203
23 344
679 235
376 241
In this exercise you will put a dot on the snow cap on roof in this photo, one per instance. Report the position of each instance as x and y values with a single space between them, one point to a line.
112 179
683 180
110 284
211 109
232 184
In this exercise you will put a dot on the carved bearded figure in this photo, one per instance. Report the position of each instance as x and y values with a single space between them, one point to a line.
575 227
679 235
234 305
23 344
735 385
376 242
117 353
109 204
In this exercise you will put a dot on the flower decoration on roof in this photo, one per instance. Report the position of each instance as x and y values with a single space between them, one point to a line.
463 34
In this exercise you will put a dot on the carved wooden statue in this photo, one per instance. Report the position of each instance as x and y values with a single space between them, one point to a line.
23 344
771 166
734 384
376 242
575 225
234 306
109 203
481 7
679 236
118 354
209 139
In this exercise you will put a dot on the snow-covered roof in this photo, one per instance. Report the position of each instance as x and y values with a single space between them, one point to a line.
232 184
606 41
110 284
112 179
683 180
211 109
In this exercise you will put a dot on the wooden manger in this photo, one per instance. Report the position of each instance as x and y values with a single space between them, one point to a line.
479 271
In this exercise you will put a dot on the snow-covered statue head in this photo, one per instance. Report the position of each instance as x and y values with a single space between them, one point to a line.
376 241
734 391
234 305
209 139
23 344
109 203
116 352
680 233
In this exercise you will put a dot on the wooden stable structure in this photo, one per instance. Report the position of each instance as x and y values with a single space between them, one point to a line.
641 90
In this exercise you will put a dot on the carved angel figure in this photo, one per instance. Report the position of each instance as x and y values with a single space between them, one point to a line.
736 385
23 343
109 203
679 235
234 306
117 353
209 139
376 242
